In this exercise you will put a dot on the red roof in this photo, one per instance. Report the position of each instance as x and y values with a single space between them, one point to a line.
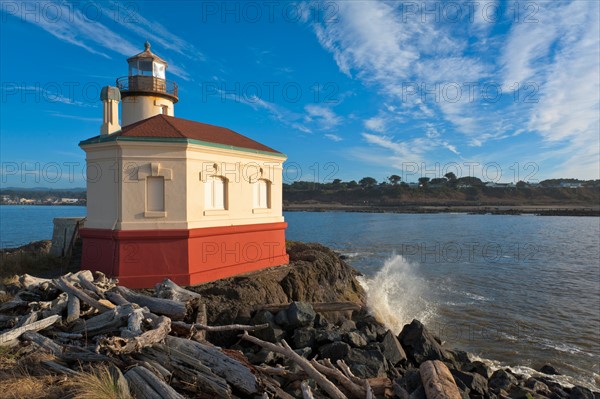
163 126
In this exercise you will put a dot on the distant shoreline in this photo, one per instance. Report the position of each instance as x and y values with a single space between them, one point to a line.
540 210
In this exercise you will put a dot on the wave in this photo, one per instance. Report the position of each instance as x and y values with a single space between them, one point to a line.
397 294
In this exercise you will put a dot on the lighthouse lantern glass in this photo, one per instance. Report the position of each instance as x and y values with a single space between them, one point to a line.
159 70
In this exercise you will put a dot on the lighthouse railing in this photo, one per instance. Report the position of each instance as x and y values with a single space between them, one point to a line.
147 84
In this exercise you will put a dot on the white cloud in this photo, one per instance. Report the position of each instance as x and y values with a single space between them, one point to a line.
323 116
376 123
333 137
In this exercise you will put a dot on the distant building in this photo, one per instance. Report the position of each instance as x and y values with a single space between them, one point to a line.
191 201
500 185
565 184
69 200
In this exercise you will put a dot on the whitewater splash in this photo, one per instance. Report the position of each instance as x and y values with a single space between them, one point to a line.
396 294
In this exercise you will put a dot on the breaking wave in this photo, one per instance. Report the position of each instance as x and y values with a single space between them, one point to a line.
397 294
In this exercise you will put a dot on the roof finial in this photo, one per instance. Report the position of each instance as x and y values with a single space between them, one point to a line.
147 46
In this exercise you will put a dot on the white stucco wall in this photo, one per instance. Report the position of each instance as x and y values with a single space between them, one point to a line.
184 168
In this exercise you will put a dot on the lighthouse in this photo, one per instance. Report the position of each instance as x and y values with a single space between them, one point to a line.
174 198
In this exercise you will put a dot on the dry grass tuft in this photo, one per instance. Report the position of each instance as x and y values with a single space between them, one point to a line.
100 383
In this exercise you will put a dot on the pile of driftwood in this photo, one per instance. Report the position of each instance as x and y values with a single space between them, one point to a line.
157 343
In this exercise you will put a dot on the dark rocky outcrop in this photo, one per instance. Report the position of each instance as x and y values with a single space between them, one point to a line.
419 343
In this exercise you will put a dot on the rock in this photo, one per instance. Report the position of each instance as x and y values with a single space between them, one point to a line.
347 325
334 351
501 379
272 333
321 321
418 393
264 356
420 345
366 363
369 322
473 381
392 350
355 339
300 314
304 337
537 386
518 392
328 335
281 318
314 274
410 381
479 368
548 369
578 392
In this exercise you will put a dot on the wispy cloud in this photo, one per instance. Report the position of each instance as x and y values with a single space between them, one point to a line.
333 137
323 116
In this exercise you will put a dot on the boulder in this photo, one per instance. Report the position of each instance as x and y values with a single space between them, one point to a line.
300 314
578 392
392 350
366 363
272 333
327 335
334 351
501 380
548 369
420 345
479 368
356 339
519 392
304 337
281 318
537 386
475 382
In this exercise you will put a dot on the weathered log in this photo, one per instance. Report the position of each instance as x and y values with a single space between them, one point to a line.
35 326
165 307
202 320
438 381
29 282
355 390
167 289
119 345
230 327
139 387
28 319
306 391
134 323
44 342
70 289
116 298
57 306
103 323
381 386
59 368
193 373
164 390
288 352
234 372
73 309
154 366
88 285
14 302
317 306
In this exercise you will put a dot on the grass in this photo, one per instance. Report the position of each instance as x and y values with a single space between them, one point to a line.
42 265
99 383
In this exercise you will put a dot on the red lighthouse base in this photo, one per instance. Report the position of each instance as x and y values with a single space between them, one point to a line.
142 258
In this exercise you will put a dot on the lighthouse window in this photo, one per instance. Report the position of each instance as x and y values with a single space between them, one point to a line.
215 191
261 194
155 193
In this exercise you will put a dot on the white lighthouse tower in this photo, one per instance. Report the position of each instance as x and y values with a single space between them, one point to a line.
146 92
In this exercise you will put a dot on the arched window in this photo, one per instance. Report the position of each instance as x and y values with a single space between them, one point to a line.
215 193
262 194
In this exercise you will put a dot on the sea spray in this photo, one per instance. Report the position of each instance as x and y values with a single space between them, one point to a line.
397 294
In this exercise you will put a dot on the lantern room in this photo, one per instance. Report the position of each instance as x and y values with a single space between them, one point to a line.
145 91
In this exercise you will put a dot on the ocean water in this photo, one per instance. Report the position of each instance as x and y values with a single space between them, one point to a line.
518 291
21 224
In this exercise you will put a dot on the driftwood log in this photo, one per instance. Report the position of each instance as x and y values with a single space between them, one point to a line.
16 332
167 289
308 368
166 307
144 384
119 345
438 381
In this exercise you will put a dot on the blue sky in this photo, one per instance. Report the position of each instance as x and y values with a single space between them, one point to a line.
500 90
